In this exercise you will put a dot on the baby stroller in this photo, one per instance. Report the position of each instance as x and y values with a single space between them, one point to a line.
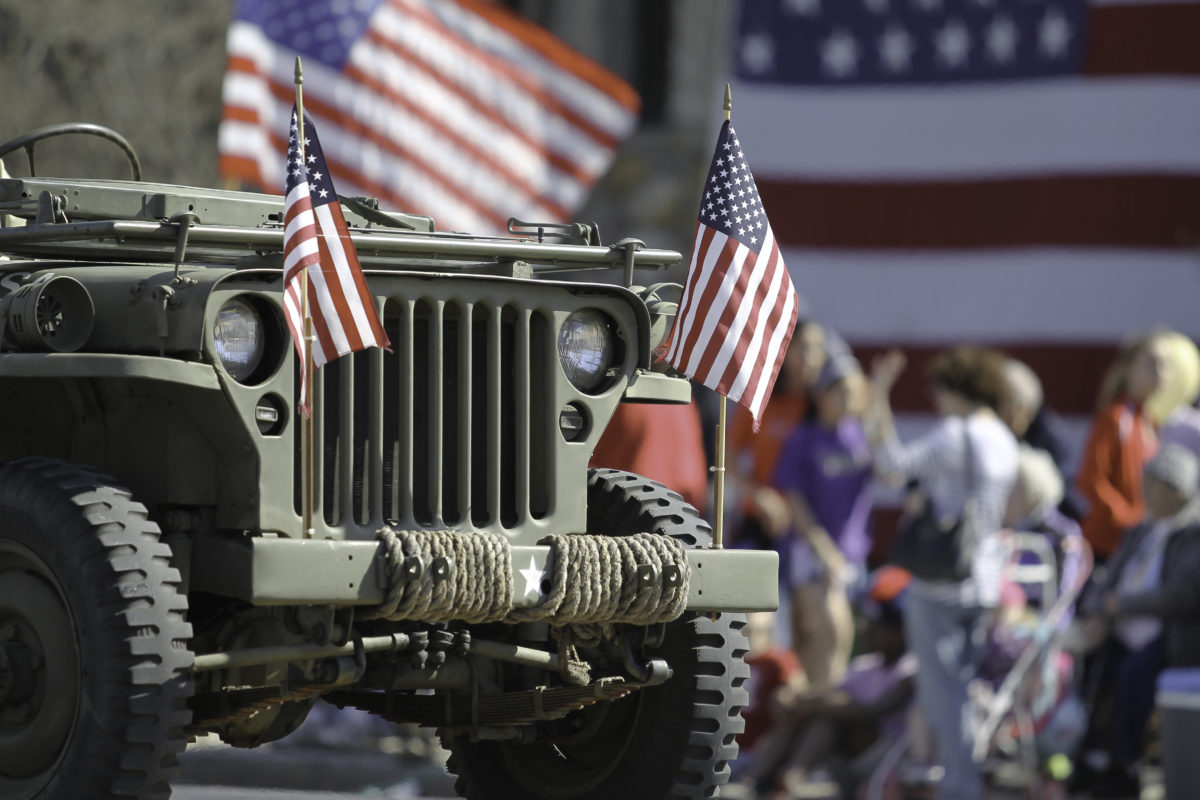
1026 715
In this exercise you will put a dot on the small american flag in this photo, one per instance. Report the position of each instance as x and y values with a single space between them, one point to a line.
457 109
317 241
739 306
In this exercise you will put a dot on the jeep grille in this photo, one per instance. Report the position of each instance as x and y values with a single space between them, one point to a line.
455 419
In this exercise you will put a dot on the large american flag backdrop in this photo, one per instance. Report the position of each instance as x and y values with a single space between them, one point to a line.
453 108
1024 173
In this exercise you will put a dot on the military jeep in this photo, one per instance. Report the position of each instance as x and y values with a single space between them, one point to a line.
571 633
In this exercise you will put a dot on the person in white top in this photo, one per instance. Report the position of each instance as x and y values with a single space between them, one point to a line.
969 455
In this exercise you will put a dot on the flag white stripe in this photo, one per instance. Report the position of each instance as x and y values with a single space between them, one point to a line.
304 219
496 141
1063 126
469 170
511 101
457 170
684 309
742 315
581 96
774 350
345 276
329 312
396 175
705 261
299 251
714 312
1012 295
778 276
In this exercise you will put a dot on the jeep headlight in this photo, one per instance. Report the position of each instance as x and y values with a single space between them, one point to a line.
238 338
585 348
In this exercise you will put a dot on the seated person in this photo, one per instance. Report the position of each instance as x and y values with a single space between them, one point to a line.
773 668
1147 612
838 727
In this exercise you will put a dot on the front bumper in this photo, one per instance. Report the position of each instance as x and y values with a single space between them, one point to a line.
270 571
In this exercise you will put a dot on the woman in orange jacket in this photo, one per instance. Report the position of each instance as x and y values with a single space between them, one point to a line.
1121 441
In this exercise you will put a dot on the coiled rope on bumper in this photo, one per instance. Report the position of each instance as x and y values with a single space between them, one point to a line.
595 579
475 586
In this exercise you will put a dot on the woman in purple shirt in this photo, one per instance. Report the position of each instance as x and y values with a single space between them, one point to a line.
825 469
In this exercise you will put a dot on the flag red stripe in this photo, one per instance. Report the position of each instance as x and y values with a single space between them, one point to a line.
560 162
239 114
1071 210
498 66
241 169
1143 39
1070 373
540 40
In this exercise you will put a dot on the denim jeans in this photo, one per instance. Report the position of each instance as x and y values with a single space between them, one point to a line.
943 634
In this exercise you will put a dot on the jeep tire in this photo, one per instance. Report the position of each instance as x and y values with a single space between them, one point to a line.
93 640
674 740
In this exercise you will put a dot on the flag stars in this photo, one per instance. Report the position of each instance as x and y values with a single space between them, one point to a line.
804 8
1002 40
896 49
953 44
839 55
1054 34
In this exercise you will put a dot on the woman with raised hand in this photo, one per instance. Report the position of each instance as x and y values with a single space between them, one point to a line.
965 466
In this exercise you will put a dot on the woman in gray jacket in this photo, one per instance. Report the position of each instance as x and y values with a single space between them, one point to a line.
969 455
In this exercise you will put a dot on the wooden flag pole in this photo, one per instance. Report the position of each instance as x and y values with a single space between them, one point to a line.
719 468
308 426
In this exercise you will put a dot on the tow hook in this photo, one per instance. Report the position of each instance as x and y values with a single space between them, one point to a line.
648 673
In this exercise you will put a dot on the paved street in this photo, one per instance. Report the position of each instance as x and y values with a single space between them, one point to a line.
343 756
186 792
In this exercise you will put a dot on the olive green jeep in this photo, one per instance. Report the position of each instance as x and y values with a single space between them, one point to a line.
570 632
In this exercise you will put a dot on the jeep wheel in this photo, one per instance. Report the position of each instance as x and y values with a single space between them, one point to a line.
93 642
669 741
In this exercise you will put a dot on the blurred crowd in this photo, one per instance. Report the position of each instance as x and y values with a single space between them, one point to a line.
1055 584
